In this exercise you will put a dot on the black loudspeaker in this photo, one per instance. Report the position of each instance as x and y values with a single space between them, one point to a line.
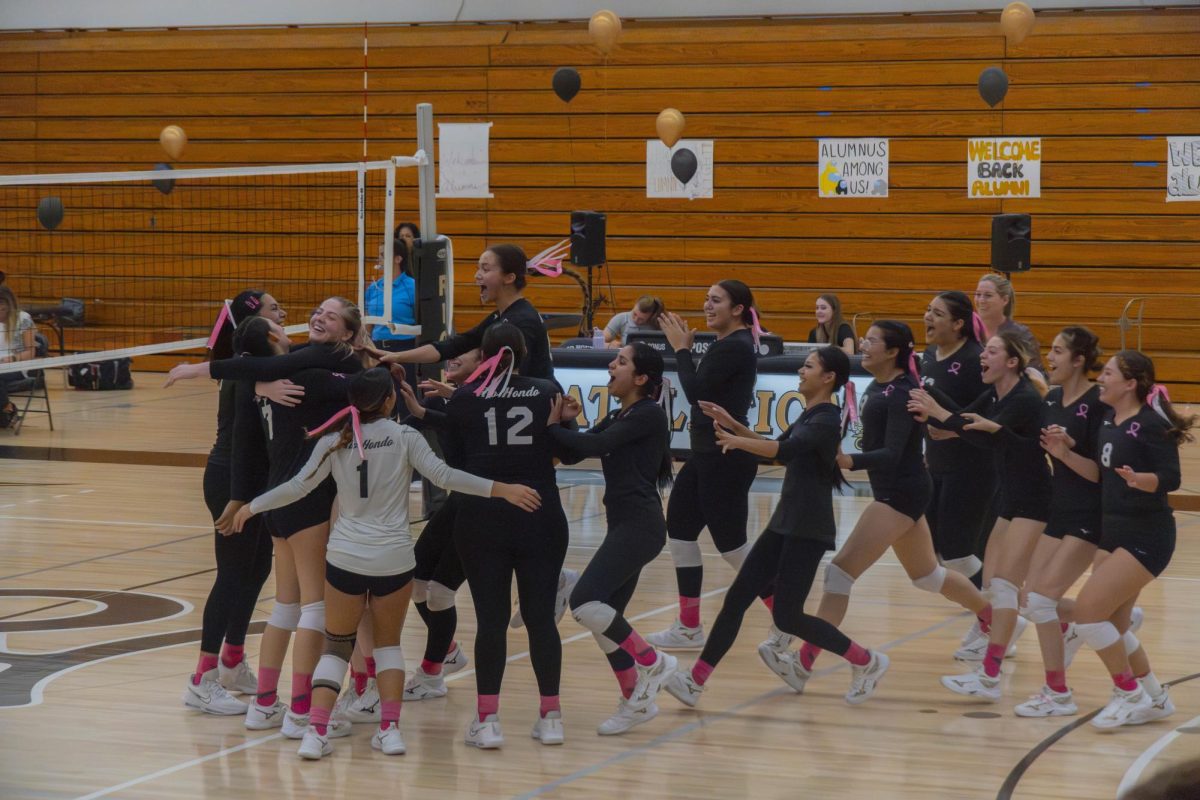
587 238
428 264
1011 243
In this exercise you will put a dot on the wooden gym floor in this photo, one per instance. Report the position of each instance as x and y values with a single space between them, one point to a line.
102 522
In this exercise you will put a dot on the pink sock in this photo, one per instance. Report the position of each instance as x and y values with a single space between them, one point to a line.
232 654
993 658
389 712
431 667
268 685
1125 681
808 655
637 647
626 678
370 667
360 680
1056 679
701 671
549 703
486 705
207 661
769 602
319 719
985 618
689 611
301 693
857 655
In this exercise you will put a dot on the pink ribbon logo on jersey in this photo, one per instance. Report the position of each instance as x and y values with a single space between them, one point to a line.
955 367
222 318
1134 427
354 423
1082 411
549 261
491 381
886 392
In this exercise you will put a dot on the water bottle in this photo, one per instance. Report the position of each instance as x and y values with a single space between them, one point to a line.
597 339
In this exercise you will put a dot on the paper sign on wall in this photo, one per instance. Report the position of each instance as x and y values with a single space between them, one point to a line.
1183 168
463 159
1004 167
661 182
852 167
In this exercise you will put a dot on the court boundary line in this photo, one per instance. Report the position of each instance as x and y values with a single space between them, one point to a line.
1134 773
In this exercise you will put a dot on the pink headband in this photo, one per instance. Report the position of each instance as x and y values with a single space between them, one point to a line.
222 318
489 385
549 261
355 424
978 326
850 408
755 329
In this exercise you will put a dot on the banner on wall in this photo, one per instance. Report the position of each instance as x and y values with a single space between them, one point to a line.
661 182
1004 167
1183 168
463 159
852 167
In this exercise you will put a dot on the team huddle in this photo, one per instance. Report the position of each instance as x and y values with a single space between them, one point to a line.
991 489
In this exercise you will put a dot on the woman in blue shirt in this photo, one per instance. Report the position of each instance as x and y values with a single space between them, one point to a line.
404 293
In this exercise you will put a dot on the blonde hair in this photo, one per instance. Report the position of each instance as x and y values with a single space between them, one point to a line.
1004 288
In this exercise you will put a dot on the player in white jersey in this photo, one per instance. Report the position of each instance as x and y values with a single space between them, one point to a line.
370 551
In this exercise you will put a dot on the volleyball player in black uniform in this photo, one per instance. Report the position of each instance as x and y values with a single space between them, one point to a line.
1006 419
713 487
891 454
787 554
243 560
634 446
498 424
1138 447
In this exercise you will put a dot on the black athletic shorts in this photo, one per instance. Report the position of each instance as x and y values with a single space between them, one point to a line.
910 499
1033 504
1080 524
1150 538
313 509
348 582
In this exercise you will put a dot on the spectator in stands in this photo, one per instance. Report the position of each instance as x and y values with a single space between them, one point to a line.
16 344
641 318
995 301
832 327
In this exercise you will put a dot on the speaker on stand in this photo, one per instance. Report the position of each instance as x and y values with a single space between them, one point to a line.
588 250
1011 243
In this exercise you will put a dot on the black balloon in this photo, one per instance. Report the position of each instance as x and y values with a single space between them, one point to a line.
684 164
993 85
50 212
566 84
164 185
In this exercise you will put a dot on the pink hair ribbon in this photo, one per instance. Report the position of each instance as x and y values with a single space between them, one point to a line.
912 367
222 318
491 381
850 407
756 330
1158 394
355 424
549 261
979 328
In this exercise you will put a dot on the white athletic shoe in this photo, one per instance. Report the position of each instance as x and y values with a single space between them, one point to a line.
211 697
1160 707
866 678
238 680
974 684
683 687
1123 708
314 746
355 707
388 740
1048 703
778 640
294 725
678 637
626 718
567 579
485 735
549 729
1022 624
424 687
976 649
1072 641
785 664
973 633
261 718
455 660
650 680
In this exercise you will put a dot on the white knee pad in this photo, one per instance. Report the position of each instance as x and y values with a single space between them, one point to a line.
967 565
389 658
734 558
312 616
1098 635
933 581
285 616
1040 609
330 672
440 597
420 591
595 616
837 580
1005 594
607 645
685 554
1131 643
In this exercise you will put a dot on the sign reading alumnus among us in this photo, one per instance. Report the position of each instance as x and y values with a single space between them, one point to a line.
852 167
1183 168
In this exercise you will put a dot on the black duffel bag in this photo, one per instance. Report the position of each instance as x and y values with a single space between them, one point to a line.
101 375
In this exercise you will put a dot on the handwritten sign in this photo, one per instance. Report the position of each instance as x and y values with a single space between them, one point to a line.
463 159
1183 168
1005 167
661 182
852 168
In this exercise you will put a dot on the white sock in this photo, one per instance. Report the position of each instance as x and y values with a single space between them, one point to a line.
1151 684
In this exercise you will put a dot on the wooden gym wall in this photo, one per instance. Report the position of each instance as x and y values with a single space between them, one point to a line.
1102 89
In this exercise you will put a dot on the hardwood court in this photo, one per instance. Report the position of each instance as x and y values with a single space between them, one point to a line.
86 546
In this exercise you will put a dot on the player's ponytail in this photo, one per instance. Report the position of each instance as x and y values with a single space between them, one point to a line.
1137 366
649 362
368 394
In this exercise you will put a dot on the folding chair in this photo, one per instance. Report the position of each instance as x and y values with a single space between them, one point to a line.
31 388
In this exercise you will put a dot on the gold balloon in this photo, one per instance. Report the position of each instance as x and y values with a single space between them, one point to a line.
173 140
604 28
670 124
1017 22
